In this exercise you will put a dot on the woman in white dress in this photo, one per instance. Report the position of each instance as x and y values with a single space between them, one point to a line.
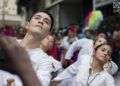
87 74
87 47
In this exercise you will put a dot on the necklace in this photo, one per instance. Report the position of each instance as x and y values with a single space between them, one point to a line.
90 81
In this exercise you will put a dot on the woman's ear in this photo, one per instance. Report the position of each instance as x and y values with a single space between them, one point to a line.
110 60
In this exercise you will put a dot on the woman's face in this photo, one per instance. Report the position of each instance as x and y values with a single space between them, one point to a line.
47 42
101 35
71 34
100 41
103 53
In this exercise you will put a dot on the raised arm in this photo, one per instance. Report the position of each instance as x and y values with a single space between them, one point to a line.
18 58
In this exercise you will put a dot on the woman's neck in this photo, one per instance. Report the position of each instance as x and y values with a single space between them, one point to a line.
43 48
96 66
30 42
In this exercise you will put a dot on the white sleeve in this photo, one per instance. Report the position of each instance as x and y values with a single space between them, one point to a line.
110 81
83 71
78 69
63 42
111 67
75 46
81 77
68 72
56 64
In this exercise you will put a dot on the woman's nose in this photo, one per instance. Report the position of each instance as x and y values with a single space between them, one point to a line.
105 53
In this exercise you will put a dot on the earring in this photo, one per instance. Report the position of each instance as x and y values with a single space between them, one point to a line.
110 63
110 60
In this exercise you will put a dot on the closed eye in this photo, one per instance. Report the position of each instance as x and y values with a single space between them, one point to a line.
47 21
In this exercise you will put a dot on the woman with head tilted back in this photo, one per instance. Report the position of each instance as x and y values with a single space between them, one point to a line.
92 73
95 75
72 70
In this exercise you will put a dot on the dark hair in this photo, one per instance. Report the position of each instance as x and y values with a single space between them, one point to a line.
90 34
98 38
96 48
48 13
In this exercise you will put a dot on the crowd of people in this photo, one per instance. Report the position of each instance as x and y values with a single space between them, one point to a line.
41 58
16 31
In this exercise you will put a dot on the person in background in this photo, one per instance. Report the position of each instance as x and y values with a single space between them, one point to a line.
70 38
116 53
56 50
116 45
67 41
84 46
8 30
101 34
21 33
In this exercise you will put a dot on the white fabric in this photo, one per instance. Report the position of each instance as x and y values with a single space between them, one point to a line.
100 79
111 67
117 79
77 75
73 69
44 65
85 46
4 76
65 44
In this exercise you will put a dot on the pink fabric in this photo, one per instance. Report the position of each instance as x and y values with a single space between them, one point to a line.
8 31
55 52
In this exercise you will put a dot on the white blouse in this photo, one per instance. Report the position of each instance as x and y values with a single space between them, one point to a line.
99 79
78 75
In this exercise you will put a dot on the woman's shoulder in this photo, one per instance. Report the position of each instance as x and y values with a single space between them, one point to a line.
108 79
107 75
